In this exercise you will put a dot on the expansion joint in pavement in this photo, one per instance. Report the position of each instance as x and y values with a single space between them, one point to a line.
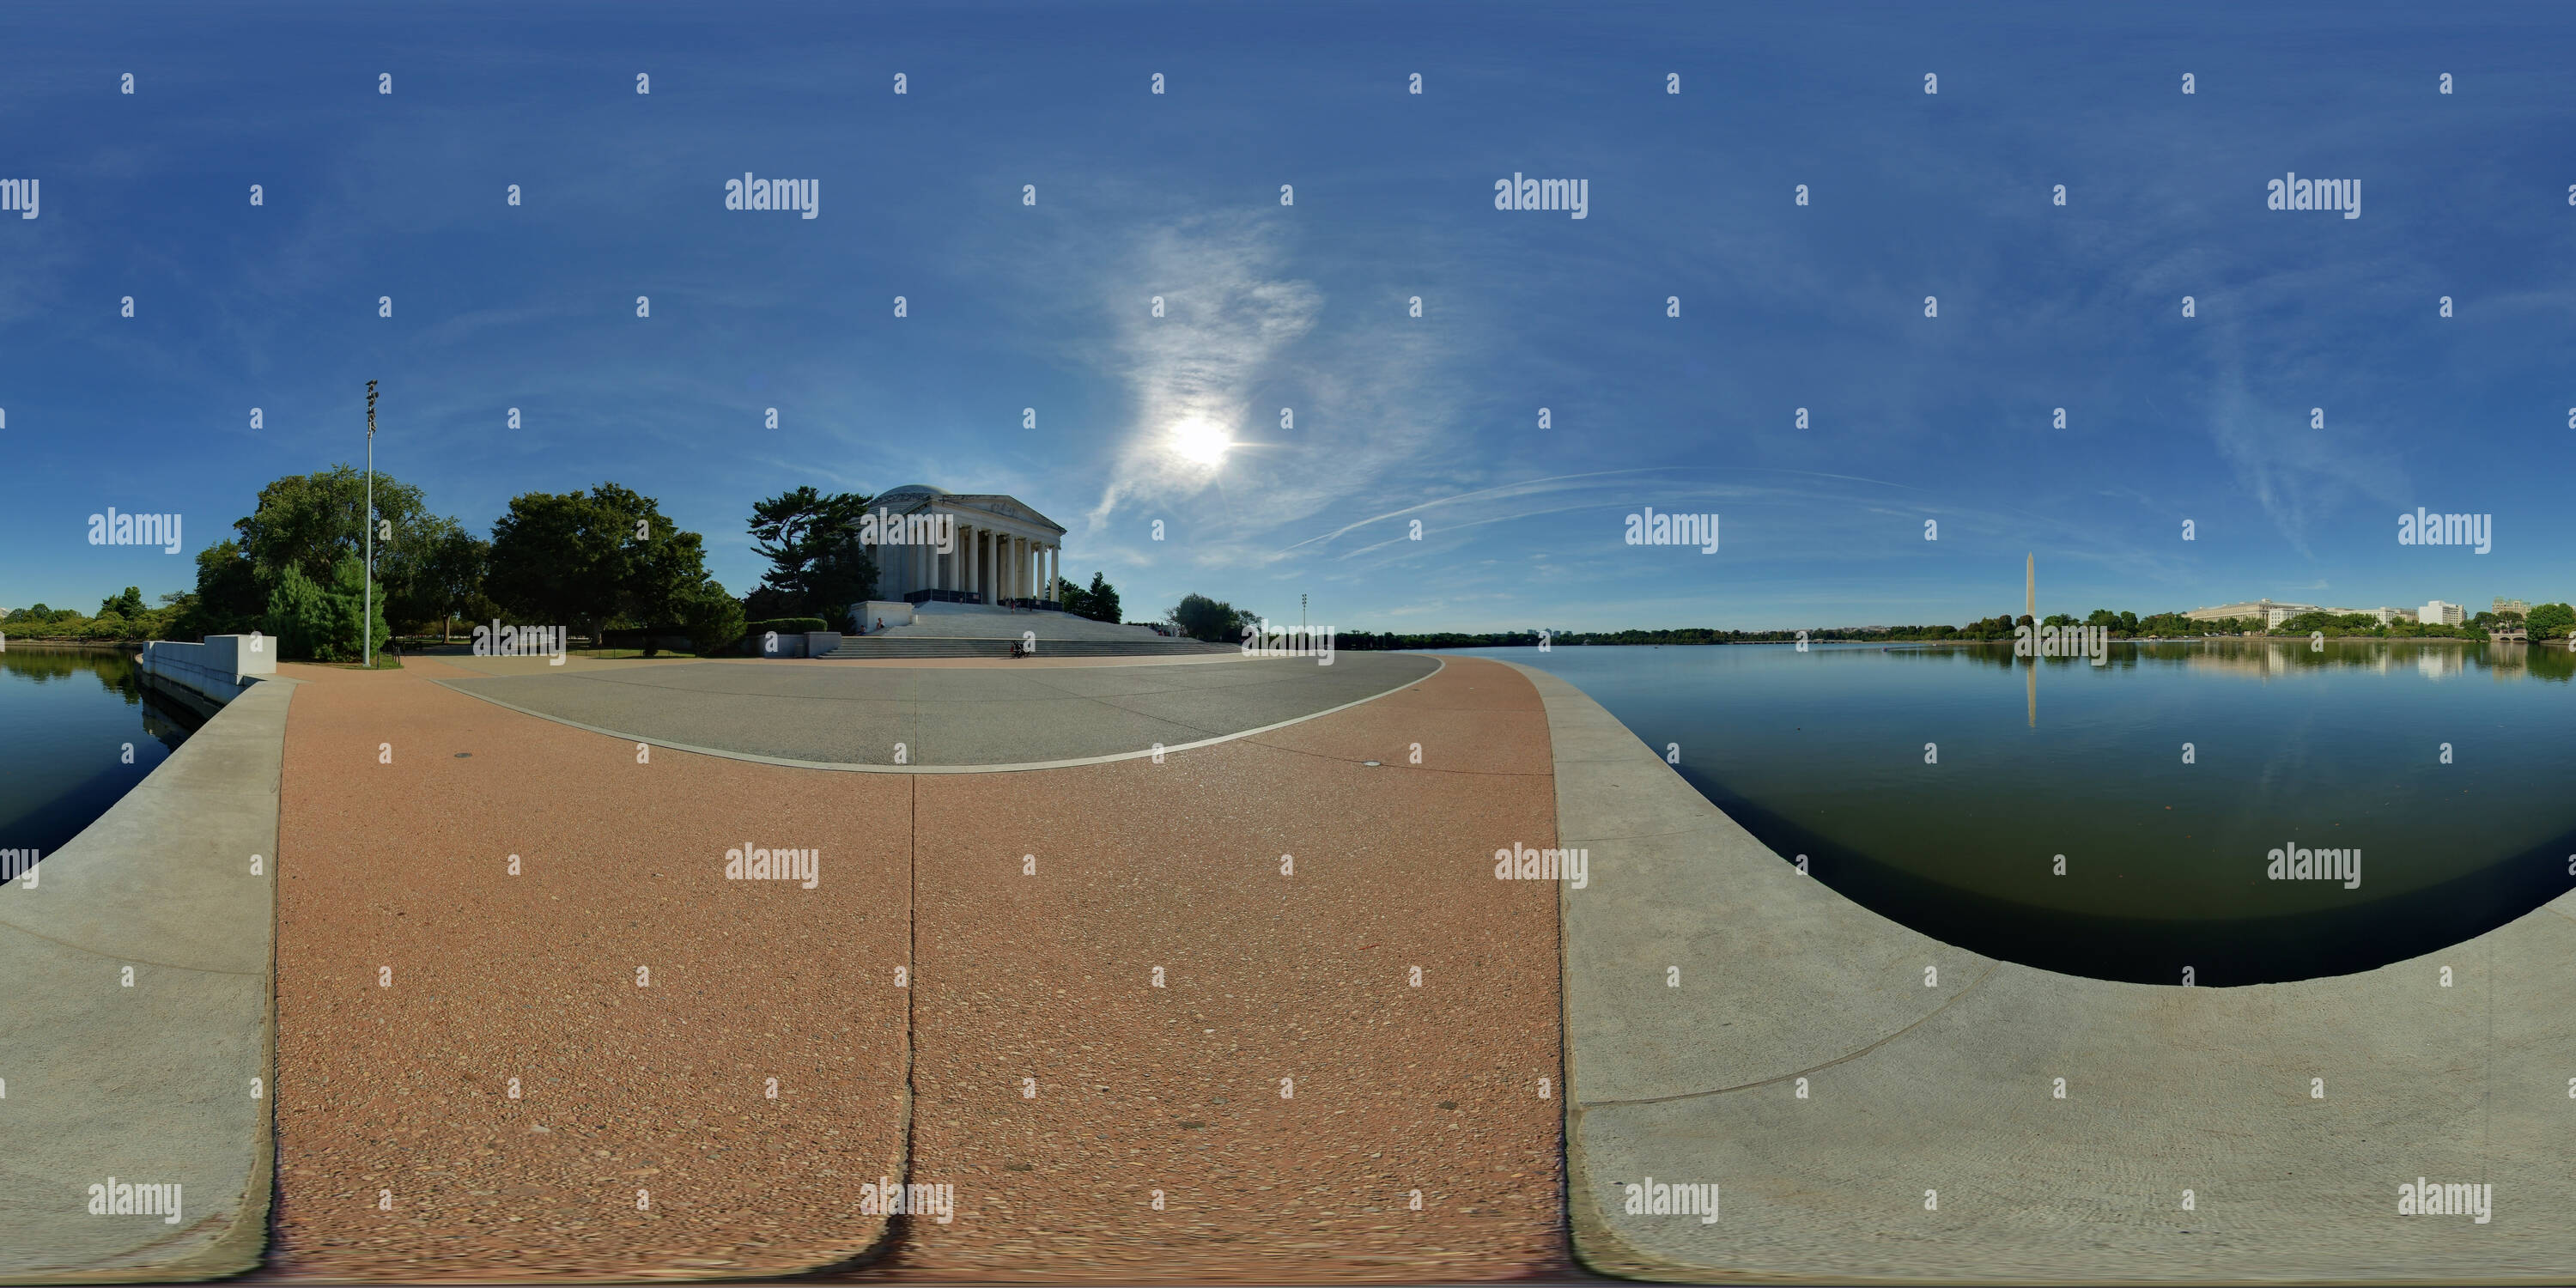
1846 1057
132 961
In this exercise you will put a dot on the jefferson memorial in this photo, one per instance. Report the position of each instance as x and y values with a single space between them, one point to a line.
1004 549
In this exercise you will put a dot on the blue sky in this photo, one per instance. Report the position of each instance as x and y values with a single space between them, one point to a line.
1396 418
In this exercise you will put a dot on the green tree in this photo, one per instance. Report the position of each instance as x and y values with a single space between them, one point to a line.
592 560
129 604
312 521
320 621
714 620
1214 621
451 581
230 598
817 568
299 617
2550 621
561 559
1100 603
1072 598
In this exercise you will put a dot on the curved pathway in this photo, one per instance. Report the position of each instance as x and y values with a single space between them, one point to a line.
919 719
1877 1106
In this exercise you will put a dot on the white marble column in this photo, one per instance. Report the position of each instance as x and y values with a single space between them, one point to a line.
1055 570
971 536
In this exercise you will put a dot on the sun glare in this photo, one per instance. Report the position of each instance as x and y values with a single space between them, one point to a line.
1200 441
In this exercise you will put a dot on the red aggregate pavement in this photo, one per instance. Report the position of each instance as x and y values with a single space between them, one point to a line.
401 1153
1038 970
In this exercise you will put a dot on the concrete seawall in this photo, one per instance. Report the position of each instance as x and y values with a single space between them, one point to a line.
1877 1106
214 672
137 1017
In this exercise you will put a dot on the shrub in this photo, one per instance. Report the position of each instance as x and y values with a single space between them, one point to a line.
322 623
714 623
299 616
752 631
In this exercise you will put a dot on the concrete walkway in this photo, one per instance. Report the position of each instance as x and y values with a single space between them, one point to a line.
1827 1068
163 1077
834 716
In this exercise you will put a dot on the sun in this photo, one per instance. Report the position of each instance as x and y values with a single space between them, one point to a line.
1202 442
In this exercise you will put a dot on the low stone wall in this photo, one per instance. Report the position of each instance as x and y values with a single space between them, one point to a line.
219 669
890 612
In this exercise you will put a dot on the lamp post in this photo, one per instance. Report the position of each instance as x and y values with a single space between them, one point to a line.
367 618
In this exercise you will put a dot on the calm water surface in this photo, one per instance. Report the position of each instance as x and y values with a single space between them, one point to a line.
1822 754
67 717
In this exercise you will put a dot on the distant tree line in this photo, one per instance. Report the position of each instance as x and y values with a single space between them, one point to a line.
595 561
2545 621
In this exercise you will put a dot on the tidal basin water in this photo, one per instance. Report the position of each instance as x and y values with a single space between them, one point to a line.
67 717
1822 753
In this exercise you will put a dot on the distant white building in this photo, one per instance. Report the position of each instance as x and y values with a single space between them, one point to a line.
2274 612
2504 605
2266 611
2438 613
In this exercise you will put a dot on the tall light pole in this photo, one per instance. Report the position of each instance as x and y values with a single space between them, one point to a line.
1301 612
367 619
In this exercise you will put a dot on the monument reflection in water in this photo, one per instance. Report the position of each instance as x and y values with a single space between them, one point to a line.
2164 779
